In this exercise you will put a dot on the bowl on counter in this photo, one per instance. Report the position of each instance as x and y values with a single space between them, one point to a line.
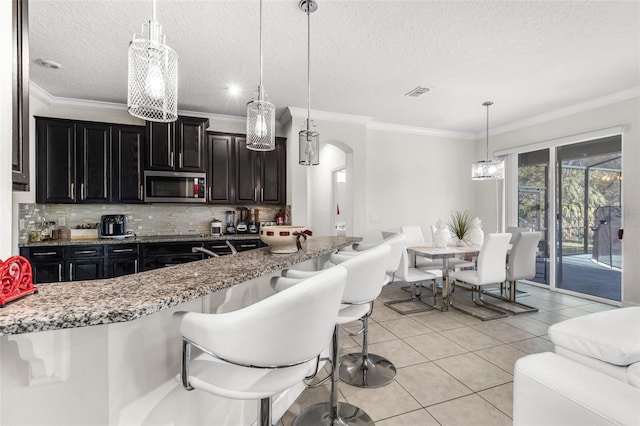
281 238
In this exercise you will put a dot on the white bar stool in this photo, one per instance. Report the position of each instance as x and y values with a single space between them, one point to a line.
263 349
365 275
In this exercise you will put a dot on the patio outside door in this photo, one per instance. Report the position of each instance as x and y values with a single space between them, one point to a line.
588 200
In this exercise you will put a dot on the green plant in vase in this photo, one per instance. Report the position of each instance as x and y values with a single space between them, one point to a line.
460 225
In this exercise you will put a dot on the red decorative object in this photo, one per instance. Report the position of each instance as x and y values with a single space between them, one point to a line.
302 234
17 279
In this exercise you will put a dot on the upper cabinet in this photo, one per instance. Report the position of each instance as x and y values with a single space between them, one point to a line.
238 175
87 162
127 143
178 146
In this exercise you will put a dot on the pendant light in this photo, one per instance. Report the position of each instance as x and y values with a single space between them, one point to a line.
487 169
153 75
309 140
261 119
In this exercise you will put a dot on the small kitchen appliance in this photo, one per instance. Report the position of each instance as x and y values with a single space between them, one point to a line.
231 222
216 228
243 216
113 225
253 221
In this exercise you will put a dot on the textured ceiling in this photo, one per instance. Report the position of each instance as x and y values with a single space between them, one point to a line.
529 57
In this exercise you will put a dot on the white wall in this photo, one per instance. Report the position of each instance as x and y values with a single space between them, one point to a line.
625 113
6 76
416 179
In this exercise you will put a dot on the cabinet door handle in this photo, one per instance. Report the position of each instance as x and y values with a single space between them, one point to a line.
59 272
180 160
46 253
261 194
71 271
129 250
140 192
209 193
171 160
135 266
82 196
86 252
72 191
255 194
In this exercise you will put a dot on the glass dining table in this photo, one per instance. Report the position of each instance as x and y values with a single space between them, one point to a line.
445 254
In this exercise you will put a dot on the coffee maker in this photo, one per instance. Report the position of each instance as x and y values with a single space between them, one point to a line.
253 221
243 216
231 222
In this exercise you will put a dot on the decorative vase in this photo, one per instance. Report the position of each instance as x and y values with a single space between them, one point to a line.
476 235
441 236
460 243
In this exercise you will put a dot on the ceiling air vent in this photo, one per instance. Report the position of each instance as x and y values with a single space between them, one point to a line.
417 91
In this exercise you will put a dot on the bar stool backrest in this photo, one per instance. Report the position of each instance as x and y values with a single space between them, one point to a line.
414 235
365 274
287 328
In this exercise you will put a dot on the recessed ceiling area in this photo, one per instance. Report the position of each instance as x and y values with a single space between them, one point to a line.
528 57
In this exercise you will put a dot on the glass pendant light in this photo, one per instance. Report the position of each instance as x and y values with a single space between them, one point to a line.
487 169
309 140
261 118
153 75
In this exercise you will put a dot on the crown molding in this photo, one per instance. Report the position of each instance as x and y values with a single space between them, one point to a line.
60 102
612 98
376 125
295 112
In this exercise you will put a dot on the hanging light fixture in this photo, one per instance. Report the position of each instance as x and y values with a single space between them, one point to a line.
261 119
487 169
153 75
309 140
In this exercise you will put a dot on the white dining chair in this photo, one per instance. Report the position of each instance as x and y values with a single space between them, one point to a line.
415 277
490 270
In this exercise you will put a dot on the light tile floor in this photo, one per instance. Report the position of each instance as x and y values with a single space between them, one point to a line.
453 369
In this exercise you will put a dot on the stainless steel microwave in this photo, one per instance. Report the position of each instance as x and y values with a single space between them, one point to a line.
174 187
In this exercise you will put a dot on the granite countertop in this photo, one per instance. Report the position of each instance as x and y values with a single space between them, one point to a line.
85 303
142 239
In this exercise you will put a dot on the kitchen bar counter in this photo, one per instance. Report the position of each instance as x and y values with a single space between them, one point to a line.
87 303
141 240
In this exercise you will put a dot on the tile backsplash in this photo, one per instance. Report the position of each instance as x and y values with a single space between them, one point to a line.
143 219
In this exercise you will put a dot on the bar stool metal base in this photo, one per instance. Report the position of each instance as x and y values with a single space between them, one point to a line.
320 415
370 372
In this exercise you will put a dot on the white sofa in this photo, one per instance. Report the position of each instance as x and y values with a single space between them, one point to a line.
593 378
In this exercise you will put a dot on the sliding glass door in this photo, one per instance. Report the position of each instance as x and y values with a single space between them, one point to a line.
584 189
588 200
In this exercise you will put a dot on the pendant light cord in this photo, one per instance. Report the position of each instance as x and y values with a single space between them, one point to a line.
308 67
487 104
260 87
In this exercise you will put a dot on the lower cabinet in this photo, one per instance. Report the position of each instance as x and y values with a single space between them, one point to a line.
121 260
47 263
85 262
159 255
91 262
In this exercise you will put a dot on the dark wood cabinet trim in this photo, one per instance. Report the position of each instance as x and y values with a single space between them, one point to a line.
20 96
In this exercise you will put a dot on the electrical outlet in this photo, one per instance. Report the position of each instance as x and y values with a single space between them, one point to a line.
374 218
62 221
21 224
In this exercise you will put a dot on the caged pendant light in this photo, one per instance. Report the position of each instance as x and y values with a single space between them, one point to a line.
309 140
261 119
153 75
487 169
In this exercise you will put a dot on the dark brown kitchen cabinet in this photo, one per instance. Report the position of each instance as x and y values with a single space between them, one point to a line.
122 259
261 176
85 262
93 162
127 147
88 162
55 161
220 178
178 146
47 263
